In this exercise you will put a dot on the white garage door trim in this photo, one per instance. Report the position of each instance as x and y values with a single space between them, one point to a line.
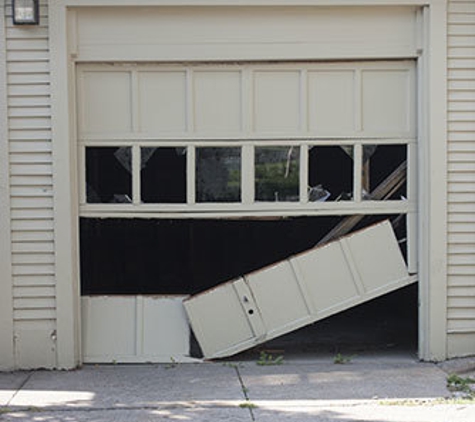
233 32
432 176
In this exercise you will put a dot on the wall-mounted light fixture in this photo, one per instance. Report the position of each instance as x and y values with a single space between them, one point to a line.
26 12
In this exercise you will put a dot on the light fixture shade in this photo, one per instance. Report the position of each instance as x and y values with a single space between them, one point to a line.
26 12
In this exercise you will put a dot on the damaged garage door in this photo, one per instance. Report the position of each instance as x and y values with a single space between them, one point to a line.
164 146
297 291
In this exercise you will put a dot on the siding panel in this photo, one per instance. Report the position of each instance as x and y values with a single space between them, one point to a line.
461 187
29 129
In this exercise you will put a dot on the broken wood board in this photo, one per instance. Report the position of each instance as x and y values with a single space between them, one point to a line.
297 291
385 189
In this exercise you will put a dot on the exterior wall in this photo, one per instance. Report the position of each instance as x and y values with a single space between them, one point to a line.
6 297
461 178
31 192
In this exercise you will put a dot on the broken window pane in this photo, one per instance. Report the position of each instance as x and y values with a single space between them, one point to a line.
108 175
330 173
163 175
277 173
384 172
218 174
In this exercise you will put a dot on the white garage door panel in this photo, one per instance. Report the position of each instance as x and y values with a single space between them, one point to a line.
318 267
109 326
244 33
336 113
106 102
280 303
276 103
134 329
223 321
165 328
386 100
375 270
298 292
162 101
217 101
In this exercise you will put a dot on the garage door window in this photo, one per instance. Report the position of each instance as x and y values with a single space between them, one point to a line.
247 139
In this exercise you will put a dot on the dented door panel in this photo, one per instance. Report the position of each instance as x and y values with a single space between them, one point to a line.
297 291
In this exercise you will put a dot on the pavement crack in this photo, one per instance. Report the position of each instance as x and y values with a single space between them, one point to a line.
19 388
248 404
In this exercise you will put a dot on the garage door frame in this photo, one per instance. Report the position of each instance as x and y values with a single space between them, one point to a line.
432 165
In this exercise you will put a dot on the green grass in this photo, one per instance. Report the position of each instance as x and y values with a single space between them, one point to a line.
463 384
266 359
340 359
247 405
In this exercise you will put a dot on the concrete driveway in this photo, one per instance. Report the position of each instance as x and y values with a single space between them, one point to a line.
367 388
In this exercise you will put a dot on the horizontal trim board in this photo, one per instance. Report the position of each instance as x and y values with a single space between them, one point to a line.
183 139
224 3
32 258
34 292
244 33
38 269
455 146
31 303
33 33
34 280
28 78
41 215
461 281
28 44
28 66
458 291
29 111
460 7
33 247
461 218
34 314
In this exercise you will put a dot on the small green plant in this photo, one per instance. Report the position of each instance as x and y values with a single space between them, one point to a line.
266 359
173 363
458 383
340 359
247 405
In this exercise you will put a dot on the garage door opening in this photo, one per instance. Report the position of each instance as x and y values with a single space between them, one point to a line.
181 257
130 258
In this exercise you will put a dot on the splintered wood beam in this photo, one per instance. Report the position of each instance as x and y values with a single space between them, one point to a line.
383 191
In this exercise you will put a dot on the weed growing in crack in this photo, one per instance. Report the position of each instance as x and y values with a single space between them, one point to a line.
247 405
173 364
266 359
466 385
340 359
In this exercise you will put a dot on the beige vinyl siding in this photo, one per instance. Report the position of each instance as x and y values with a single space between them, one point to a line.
461 177
31 192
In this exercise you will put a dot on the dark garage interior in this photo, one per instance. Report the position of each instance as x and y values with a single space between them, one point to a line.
188 256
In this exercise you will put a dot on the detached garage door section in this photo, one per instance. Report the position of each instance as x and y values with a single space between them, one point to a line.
296 292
